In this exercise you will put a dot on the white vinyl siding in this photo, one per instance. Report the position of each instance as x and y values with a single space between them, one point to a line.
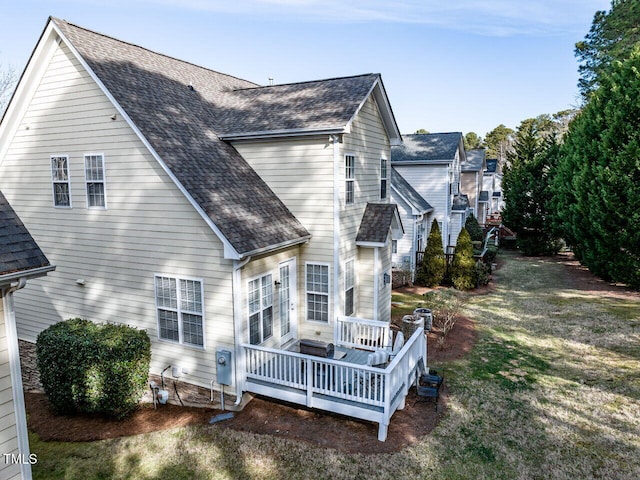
317 287
260 296
149 228
8 431
180 310
61 181
94 179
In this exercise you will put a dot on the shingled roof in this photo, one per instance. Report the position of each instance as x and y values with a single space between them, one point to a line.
474 161
406 191
18 250
376 222
427 148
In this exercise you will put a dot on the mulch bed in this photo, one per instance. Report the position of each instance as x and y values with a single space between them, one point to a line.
264 416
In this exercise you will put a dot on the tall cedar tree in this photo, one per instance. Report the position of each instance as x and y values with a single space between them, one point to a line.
526 189
612 37
434 264
473 227
597 182
463 265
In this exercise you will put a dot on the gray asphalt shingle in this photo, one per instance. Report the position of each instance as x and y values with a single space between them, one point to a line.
18 249
474 160
376 222
183 110
430 147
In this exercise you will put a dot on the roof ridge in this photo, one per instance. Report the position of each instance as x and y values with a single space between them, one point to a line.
55 19
307 81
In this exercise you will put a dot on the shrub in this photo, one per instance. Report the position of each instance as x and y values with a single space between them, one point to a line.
434 264
482 273
462 269
473 227
86 367
445 304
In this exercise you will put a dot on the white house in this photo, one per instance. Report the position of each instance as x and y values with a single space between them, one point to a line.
20 261
221 216
492 183
471 178
415 213
430 163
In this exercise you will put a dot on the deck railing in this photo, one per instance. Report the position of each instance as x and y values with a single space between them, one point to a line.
359 391
362 333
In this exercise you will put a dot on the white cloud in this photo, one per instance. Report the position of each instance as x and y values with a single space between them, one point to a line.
485 17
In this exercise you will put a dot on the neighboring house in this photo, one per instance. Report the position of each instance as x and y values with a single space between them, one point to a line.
214 213
492 183
20 260
415 213
471 180
430 163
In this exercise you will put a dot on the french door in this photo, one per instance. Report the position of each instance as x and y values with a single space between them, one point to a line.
287 301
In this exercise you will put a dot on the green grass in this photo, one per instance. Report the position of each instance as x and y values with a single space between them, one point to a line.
551 390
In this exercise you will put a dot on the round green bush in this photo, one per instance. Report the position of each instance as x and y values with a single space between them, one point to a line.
473 227
93 368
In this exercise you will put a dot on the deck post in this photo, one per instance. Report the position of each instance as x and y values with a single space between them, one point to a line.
308 365
382 431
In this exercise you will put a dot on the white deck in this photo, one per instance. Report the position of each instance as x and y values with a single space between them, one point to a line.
346 386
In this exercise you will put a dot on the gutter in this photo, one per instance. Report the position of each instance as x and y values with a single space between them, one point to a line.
26 274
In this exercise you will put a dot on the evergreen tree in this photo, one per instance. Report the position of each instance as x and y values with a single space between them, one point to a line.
597 183
526 188
434 264
473 227
463 266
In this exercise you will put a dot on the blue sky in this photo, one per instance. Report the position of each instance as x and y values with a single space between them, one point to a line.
456 65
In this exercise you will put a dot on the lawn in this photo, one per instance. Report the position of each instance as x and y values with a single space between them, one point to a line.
551 390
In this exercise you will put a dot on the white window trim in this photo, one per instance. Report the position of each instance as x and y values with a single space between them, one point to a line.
350 180
262 308
104 180
306 291
53 182
353 285
204 323
385 178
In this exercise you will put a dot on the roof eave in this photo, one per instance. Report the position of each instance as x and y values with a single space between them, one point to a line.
279 246
267 134
26 274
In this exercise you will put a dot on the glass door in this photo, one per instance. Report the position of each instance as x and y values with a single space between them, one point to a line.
288 300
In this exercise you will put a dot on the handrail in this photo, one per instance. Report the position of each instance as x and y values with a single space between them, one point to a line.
361 333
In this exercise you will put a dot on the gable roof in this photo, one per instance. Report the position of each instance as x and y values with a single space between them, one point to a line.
18 250
460 203
179 125
427 148
475 160
377 220
408 193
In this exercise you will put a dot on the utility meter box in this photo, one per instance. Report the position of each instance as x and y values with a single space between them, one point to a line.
223 367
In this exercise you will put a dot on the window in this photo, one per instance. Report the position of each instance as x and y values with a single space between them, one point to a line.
94 176
349 281
180 310
260 309
60 179
318 293
394 246
350 179
383 178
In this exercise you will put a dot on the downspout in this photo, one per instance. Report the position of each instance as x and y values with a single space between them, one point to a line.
236 287
16 375
414 241
335 139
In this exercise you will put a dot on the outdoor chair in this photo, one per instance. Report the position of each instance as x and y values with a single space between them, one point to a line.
429 387
397 345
